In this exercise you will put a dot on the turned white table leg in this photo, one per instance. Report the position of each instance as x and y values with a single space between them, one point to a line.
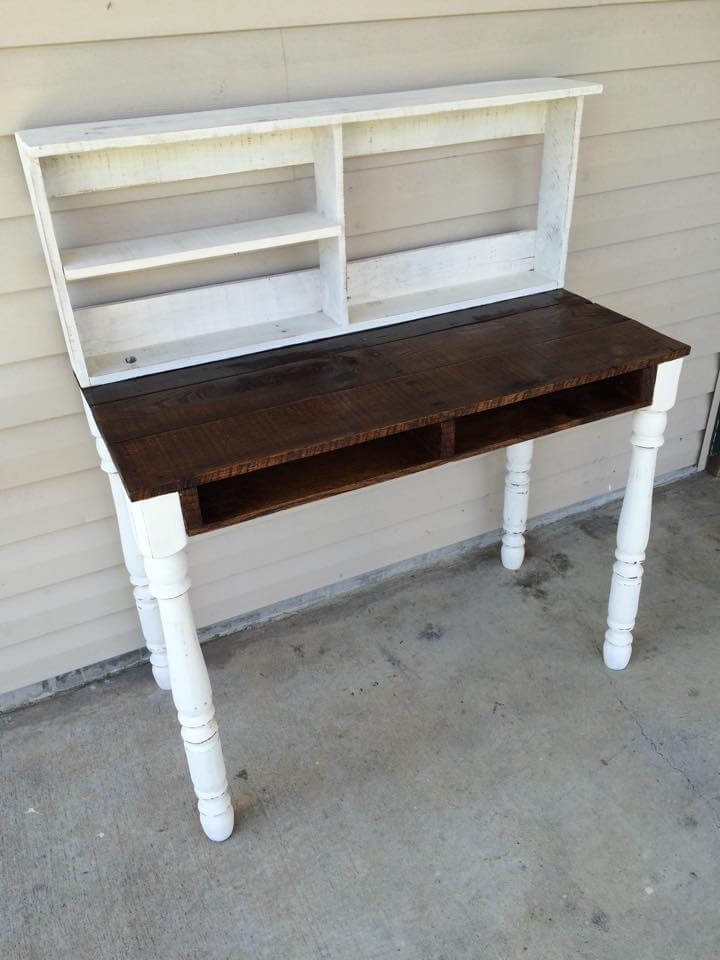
634 524
146 604
515 511
161 536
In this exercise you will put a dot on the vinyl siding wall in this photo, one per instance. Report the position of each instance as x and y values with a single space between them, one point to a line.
645 241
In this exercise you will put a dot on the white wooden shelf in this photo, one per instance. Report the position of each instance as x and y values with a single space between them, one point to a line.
426 303
144 253
196 325
204 348
209 124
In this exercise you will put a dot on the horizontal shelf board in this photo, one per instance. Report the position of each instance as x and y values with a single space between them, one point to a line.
144 253
411 306
208 347
81 137
276 488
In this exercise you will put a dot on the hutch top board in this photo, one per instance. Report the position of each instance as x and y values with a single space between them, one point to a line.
111 339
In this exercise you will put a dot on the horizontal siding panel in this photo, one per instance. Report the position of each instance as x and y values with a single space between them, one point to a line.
622 266
702 333
45 449
59 556
35 23
60 503
636 212
639 99
698 380
29 326
221 70
64 604
36 390
669 302
105 81
324 61
632 158
59 651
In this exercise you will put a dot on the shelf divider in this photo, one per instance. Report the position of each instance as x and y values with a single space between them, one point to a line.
329 190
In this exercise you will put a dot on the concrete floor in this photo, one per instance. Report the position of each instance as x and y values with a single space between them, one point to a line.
436 768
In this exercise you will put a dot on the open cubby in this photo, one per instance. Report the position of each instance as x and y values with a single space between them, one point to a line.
117 333
235 499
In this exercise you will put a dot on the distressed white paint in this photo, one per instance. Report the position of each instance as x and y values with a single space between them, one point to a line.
287 308
162 540
145 253
48 240
178 128
330 201
146 604
518 458
557 186
180 331
634 524
69 175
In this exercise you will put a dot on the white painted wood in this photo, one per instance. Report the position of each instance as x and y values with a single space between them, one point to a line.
141 335
557 186
205 322
460 126
425 303
329 191
518 458
144 253
176 128
43 219
146 604
440 265
634 524
69 175
161 537
204 348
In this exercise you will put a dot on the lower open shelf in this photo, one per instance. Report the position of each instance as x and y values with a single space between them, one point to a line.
425 303
233 500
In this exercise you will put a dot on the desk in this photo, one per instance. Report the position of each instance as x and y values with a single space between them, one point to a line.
197 448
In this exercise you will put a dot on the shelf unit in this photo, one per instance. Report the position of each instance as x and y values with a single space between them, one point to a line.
110 341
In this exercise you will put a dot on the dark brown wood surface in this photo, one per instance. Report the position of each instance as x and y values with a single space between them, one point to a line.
188 429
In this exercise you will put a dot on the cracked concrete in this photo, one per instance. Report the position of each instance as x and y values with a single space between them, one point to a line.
436 767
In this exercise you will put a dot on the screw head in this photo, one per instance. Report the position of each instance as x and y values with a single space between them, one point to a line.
130 359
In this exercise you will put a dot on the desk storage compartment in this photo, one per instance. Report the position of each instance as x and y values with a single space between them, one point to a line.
267 490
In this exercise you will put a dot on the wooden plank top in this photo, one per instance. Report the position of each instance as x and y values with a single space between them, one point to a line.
265 118
178 430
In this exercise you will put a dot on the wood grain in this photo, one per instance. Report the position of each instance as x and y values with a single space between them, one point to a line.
541 364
